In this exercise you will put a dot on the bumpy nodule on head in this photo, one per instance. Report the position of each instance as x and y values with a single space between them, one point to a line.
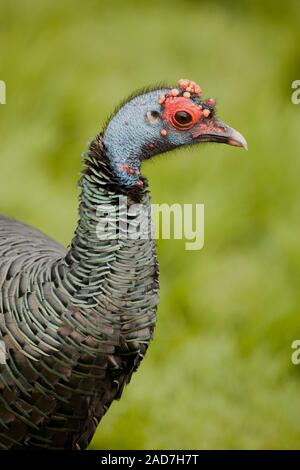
160 120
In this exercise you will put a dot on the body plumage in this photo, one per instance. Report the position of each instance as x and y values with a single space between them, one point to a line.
75 323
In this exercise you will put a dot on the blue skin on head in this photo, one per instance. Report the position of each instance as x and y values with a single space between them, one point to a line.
134 133
129 134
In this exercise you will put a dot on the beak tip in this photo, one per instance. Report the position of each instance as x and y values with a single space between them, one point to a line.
237 139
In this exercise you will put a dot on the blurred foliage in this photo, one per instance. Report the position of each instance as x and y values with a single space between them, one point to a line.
218 374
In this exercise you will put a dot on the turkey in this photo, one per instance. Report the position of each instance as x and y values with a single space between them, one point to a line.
75 323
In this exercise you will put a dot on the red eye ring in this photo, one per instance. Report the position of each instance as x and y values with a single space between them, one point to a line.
181 113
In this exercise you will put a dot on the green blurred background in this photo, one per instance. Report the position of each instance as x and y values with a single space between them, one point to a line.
218 373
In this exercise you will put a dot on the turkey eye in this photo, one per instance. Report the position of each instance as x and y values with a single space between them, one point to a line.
183 118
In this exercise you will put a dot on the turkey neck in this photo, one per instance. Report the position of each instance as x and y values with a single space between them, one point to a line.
118 278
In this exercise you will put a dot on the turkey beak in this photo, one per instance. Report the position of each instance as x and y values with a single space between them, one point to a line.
213 130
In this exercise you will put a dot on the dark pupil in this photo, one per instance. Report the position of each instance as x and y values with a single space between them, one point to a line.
182 117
